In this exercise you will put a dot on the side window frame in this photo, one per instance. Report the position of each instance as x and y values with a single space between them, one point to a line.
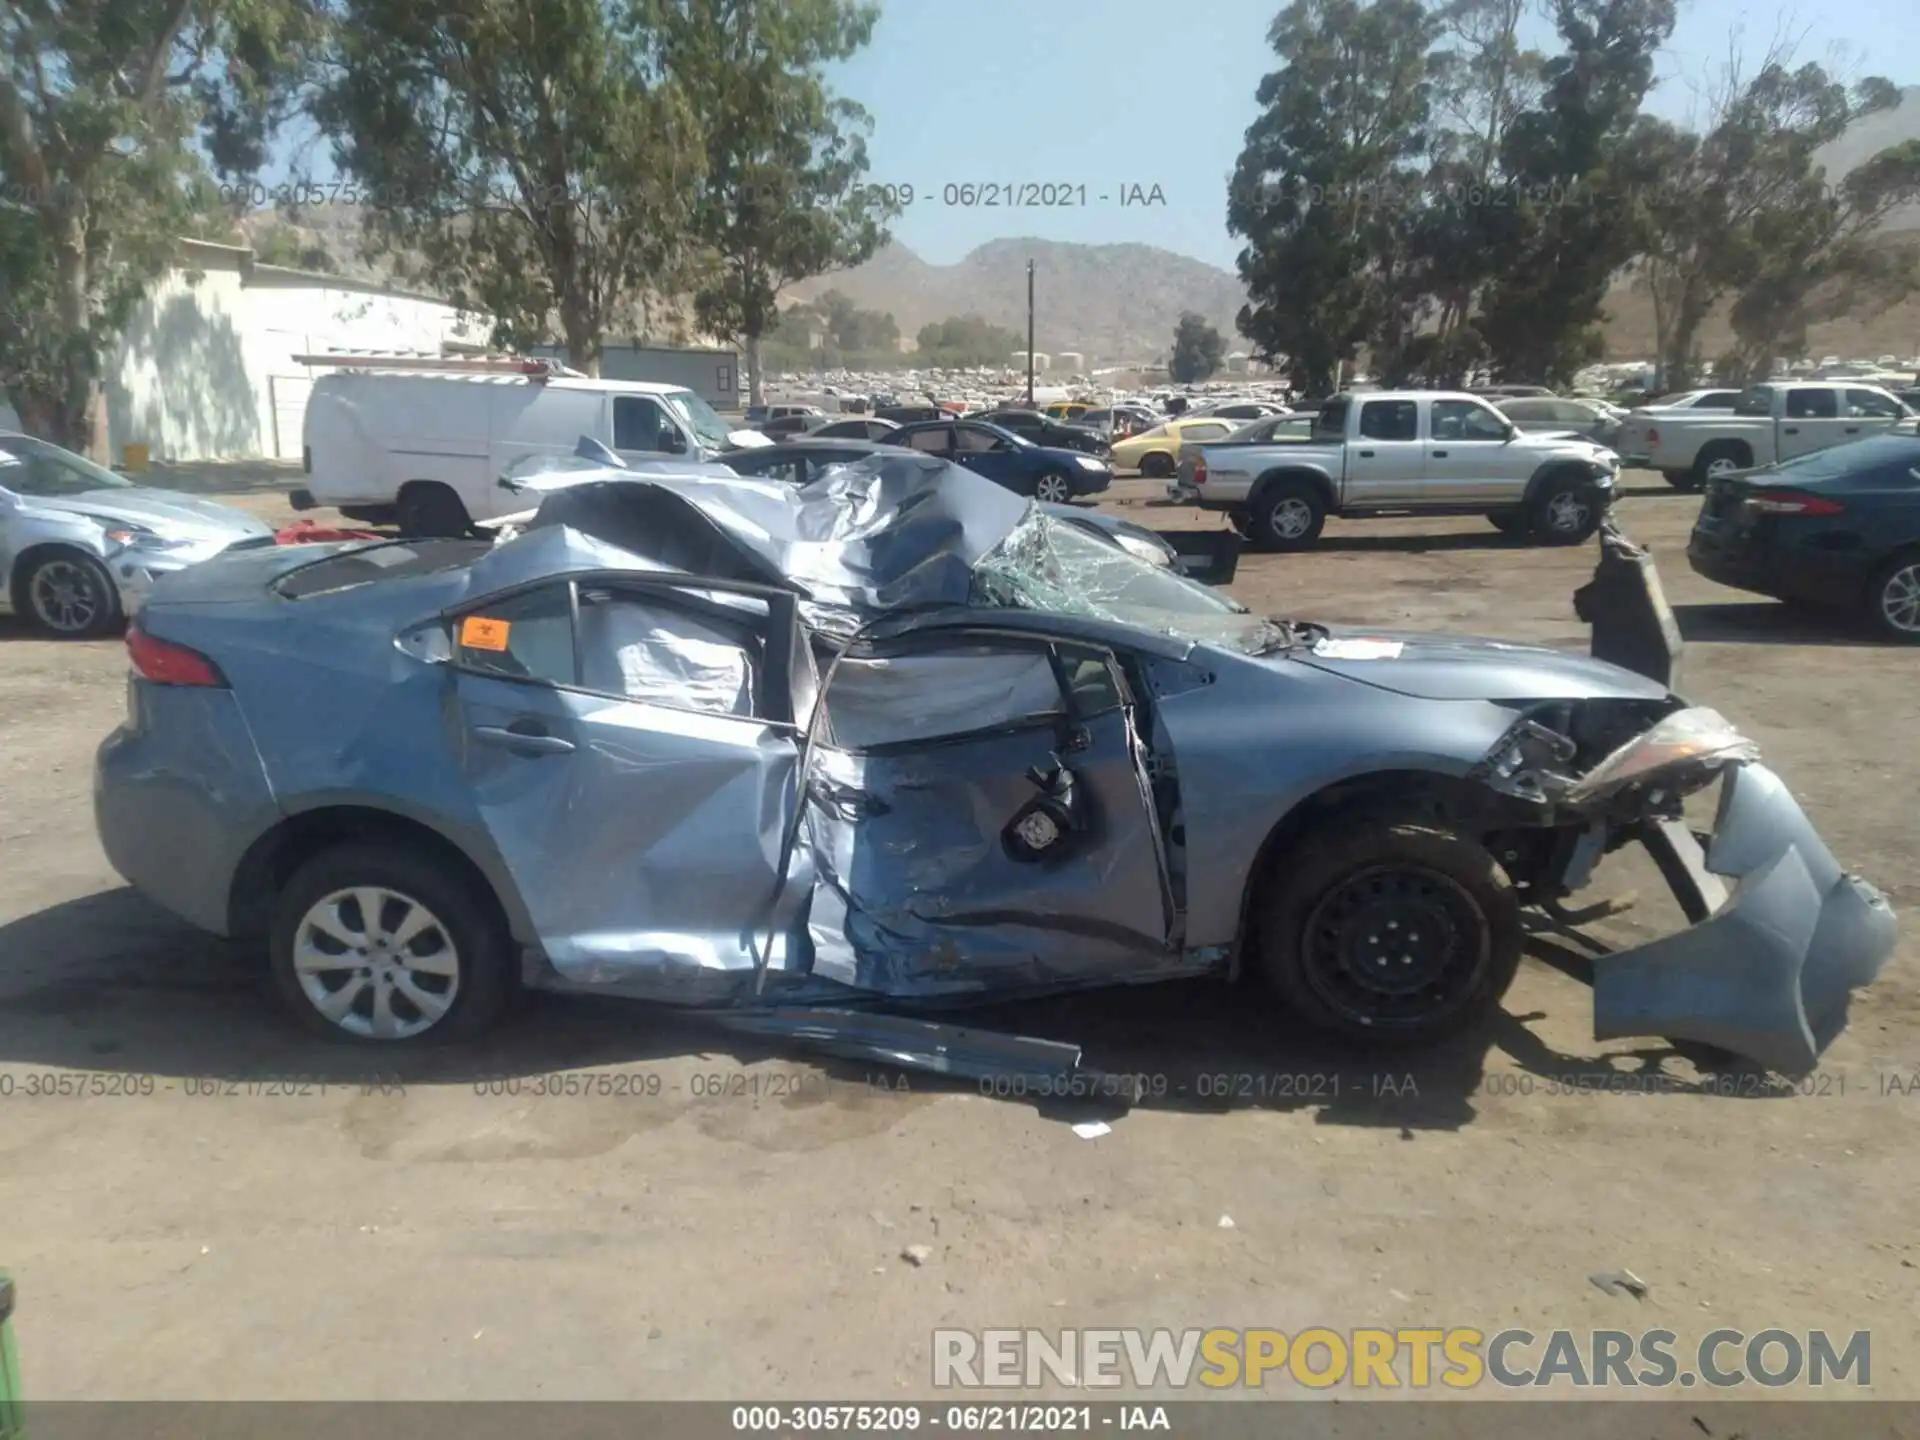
773 700
1395 409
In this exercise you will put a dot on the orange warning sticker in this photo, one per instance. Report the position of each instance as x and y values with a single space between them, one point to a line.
477 632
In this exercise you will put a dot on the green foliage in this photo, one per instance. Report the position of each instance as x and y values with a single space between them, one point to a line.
780 199
101 105
1576 163
1319 184
961 342
850 337
1745 211
1197 350
281 244
532 153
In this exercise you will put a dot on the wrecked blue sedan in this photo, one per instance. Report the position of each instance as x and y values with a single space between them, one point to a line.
830 761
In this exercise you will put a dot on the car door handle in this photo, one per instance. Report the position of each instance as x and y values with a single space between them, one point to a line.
1853 429
1791 430
1439 454
521 735
1366 454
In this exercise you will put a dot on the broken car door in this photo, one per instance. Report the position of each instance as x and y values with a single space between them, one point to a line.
980 820
630 746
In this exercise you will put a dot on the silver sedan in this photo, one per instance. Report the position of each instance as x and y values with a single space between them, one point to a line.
80 546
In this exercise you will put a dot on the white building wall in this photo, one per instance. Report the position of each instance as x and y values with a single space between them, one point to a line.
205 370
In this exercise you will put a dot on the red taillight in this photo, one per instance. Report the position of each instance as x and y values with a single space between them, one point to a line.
1200 471
1793 502
165 663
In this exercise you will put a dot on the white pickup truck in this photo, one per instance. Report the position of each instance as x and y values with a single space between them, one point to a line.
1404 453
1770 422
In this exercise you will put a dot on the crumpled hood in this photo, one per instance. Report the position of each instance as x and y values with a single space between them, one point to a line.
1464 667
169 513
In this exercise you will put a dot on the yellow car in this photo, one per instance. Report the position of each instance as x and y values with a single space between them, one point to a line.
1156 452
1068 410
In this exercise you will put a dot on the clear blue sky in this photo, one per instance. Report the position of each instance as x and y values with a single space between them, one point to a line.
1154 92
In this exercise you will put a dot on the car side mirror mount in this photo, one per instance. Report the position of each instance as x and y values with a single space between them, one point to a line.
673 442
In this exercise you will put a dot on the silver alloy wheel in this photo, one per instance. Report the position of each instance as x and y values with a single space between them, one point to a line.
1900 599
1566 513
1053 490
1722 465
1292 518
65 596
376 962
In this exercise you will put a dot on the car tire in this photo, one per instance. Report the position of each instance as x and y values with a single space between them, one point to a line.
1332 946
428 510
1565 509
69 595
463 940
1287 515
1052 488
1719 458
1683 480
1893 599
1157 465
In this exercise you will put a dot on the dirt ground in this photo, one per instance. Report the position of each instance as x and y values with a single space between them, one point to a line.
740 1233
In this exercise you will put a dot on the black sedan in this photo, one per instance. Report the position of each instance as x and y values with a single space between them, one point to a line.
1839 528
1042 471
858 427
1045 430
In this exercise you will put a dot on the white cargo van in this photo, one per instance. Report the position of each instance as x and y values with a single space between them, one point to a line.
423 443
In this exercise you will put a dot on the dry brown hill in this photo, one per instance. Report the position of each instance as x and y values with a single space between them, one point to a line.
1113 303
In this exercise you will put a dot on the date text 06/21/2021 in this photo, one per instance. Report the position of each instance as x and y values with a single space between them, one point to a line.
1016 194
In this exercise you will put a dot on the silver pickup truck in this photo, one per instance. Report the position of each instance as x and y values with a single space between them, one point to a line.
1775 421
1403 453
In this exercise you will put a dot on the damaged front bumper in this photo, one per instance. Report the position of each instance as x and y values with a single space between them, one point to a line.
1769 966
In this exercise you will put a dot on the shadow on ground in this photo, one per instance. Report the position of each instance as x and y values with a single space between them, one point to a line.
109 985
1768 622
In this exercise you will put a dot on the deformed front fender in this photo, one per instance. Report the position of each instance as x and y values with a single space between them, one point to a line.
1769 972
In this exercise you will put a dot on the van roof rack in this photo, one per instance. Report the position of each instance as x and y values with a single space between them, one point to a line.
534 366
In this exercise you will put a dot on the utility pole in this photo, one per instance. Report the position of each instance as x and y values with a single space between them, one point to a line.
1029 334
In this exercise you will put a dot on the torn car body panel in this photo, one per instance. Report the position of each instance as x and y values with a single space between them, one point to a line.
1768 973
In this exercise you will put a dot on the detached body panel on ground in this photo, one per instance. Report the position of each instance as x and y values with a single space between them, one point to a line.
827 759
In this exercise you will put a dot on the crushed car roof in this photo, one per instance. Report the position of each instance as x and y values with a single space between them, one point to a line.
892 532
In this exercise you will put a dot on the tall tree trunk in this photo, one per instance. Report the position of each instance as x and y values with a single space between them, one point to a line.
754 395
582 337
77 407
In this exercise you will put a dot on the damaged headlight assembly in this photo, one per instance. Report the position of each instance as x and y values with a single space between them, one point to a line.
1766 969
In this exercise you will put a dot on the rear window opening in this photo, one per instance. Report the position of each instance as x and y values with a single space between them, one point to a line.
384 561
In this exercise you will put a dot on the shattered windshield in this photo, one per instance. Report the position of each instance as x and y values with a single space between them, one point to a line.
1044 564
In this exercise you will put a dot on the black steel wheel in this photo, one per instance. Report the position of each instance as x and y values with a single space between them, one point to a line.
1391 933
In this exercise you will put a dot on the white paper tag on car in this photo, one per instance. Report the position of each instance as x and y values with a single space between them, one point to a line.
1355 649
